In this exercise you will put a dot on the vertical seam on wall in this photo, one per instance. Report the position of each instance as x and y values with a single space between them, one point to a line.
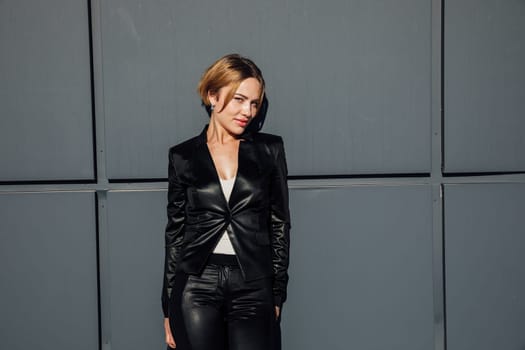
437 267
443 251
442 161
442 167
92 91
95 169
105 278
99 154
99 309
98 90
442 107
436 180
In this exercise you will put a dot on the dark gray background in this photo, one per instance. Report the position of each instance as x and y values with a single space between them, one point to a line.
48 269
45 99
354 75
353 278
484 86
484 265
373 98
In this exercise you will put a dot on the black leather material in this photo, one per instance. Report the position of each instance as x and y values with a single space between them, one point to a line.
256 217
219 310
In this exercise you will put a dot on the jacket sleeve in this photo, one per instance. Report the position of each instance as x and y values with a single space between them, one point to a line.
174 230
280 224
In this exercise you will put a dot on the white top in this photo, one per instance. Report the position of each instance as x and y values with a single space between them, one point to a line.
225 246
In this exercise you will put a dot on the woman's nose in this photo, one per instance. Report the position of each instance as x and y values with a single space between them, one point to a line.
247 109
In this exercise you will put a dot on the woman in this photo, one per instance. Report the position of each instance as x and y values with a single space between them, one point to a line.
227 237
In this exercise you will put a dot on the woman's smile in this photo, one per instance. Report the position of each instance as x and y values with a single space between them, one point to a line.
242 122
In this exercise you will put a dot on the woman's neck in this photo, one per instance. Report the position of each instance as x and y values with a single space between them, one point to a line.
217 134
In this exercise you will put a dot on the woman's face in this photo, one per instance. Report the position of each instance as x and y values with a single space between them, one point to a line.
242 108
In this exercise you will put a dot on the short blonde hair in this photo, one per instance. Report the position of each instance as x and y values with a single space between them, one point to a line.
229 71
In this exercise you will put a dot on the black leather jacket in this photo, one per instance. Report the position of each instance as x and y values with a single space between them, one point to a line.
256 217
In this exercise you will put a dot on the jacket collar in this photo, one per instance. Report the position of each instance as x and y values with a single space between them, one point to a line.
202 138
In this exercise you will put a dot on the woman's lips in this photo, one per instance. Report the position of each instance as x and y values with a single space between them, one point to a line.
241 123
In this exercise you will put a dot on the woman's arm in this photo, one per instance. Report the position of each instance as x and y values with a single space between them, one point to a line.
280 224
174 230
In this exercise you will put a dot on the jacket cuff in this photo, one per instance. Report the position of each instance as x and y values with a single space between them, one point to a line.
165 308
165 302
278 301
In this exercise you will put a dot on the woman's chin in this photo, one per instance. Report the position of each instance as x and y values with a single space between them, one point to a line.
237 130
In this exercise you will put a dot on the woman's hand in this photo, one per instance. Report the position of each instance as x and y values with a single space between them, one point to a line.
277 312
169 336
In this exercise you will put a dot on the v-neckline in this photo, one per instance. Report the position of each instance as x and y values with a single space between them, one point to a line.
217 176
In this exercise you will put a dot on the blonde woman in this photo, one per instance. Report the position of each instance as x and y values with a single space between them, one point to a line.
227 237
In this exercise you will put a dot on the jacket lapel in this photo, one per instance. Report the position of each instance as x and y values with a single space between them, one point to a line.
248 171
206 176
204 173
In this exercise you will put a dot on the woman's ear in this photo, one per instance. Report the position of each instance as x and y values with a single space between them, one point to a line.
213 97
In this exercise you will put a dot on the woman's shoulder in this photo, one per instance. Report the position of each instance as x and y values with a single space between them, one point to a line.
273 144
269 139
184 146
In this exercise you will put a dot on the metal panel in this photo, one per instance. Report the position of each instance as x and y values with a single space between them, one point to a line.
484 86
361 269
136 222
348 83
485 273
376 256
48 269
45 97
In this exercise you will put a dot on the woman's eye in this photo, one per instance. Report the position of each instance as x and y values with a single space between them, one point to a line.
238 99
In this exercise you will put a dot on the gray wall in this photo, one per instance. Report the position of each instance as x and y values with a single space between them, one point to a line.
484 86
48 269
45 109
485 272
403 127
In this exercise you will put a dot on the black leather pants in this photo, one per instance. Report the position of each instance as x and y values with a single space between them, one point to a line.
218 310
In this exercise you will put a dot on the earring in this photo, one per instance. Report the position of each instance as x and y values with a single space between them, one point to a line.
212 107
